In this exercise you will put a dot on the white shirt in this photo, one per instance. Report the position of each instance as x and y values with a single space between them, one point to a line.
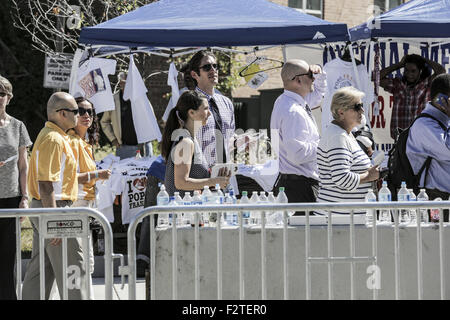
145 123
298 135
93 83
341 74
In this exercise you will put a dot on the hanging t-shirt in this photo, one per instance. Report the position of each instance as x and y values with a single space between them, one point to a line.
93 83
144 119
341 74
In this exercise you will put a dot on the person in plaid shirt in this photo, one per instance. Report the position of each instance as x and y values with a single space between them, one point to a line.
411 91
204 71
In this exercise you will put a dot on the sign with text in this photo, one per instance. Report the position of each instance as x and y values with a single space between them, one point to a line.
65 226
57 71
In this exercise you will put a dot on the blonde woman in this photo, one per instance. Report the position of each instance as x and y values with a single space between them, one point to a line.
345 171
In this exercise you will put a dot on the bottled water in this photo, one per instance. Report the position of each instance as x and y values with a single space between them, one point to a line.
219 194
172 203
384 195
434 213
187 201
162 199
282 198
403 195
197 201
271 217
233 213
263 200
230 217
179 202
370 197
208 198
422 196
245 214
254 215
412 212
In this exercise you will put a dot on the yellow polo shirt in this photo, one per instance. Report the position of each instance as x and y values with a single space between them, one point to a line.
85 159
52 159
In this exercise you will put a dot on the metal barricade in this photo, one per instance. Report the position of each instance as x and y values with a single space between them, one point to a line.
330 259
63 223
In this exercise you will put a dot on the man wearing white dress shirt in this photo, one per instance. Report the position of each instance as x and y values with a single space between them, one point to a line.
304 86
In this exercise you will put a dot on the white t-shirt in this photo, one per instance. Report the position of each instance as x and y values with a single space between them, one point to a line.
93 83
341 74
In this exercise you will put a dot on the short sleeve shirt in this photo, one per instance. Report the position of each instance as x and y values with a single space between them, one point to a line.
53 159
12 136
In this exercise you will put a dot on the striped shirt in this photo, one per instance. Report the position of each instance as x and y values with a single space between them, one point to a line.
206 136
52 159
341 160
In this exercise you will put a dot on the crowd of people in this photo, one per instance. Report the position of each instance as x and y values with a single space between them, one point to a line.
333 166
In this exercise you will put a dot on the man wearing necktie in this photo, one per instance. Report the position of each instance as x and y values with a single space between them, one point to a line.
304 86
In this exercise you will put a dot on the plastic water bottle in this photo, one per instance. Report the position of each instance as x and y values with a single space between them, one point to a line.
172 203
384 195
254 215
435 212
282 198
197 201
245 214
412 212
180 202
187 201
403 195
272 215
234 214
370 197
422 196
219 194
162 199
208 198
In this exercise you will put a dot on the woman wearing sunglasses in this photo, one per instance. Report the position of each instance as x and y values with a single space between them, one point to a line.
14 140
84 137
345 170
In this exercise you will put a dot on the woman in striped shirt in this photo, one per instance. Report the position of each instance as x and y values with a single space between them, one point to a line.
345 171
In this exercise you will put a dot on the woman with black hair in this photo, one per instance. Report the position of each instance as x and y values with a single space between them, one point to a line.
186 167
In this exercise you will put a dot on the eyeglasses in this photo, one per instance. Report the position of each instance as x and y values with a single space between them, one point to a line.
209 66
2 94
83 111
309 74
357 107
75 111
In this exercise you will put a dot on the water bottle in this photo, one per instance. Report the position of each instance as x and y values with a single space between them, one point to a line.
219 194
245 214
234 214
403 195
172 203
138 154
162 199
384 195
282 198
197 201
187 201
271 217
180 202
412 212
208 198
434 213
370 197
254 215
422 196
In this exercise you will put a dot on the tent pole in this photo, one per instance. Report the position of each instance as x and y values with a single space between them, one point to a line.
284 52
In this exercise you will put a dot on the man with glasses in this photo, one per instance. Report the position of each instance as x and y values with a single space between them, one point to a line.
52 182
411 92
292 119
216 134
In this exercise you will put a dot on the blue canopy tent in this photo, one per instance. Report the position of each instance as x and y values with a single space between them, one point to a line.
197 23
414 19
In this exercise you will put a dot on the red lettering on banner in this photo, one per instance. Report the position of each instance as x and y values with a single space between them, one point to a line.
380 120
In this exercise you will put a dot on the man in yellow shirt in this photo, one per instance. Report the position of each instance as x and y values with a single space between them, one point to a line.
52 182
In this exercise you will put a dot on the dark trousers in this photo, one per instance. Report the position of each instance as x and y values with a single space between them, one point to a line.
8 250
297 189
247 184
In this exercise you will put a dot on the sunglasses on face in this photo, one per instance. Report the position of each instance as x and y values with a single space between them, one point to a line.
357 107
209 66
309 74
74 111
83 111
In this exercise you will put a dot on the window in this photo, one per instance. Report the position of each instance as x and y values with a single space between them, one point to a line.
386 5
312 7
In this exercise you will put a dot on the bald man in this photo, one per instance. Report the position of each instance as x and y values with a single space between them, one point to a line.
304 86
52 182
